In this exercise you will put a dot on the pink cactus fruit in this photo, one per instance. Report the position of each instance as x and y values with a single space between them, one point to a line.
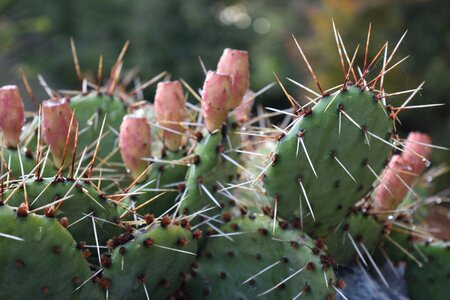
56 118
416 151
235 63
242 112
402 170
12 115
135 144
170 110
216 97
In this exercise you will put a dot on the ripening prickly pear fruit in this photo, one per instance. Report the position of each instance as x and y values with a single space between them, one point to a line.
392 190
170 109
56 125
416 151
135 143
398 177
242 112
216 99
235 63
12 115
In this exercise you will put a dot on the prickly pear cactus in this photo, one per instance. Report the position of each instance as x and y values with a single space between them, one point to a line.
254 257
356 237
152 264
91 217
162 184
328 159
431 280
39 259
91 110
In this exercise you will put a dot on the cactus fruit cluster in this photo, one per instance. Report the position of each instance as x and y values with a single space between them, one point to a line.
104 196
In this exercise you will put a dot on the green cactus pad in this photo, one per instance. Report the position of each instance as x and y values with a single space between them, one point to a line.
334 191
156 258
11 157
84 200
205 170
90 110
44 263
365 231
292 262
164 176
431 281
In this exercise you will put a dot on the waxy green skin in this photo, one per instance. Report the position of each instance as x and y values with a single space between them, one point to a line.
364 229
47 260
28 163
224 265
333 192
213 170
160 269
84 200
431 280
90 110
162 176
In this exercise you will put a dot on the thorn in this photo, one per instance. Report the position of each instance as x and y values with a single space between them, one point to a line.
261 272
29 90
281 282
309 66
307 156
339 48
303 87
299 180
350 68
202 64
346 56
343 167
357 249
374 265
115 72
74 154
289 97
210 195
367 45
189 88
75 59
100 71
148 83
69 132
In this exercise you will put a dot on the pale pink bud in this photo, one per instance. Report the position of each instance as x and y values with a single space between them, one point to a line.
395 180
235 63
56 117
242 112
215 99
135 143
416 152
12 115
170 110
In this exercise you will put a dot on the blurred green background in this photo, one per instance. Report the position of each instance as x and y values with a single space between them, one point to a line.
171 34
